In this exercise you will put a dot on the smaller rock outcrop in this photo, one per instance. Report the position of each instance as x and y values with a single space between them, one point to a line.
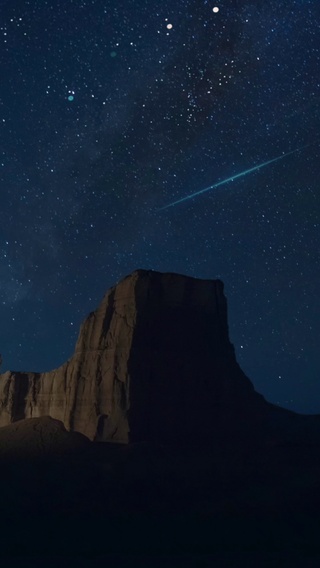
39 438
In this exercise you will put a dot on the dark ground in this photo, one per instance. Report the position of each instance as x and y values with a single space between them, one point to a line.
141 505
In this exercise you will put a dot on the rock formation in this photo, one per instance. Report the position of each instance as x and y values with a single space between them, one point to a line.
152 363
217 468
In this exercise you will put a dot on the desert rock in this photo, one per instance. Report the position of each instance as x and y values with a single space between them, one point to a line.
152 363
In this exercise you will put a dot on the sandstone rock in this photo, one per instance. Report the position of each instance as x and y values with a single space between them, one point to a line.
152 363
39 437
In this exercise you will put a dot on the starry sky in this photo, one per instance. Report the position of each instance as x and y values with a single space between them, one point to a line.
111 114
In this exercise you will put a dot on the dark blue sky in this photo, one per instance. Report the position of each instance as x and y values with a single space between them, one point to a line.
111 110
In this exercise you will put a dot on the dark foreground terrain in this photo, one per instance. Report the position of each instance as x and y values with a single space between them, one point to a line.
66 501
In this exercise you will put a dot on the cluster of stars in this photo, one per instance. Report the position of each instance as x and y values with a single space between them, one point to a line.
109 114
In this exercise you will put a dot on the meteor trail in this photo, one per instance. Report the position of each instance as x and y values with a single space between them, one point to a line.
192 195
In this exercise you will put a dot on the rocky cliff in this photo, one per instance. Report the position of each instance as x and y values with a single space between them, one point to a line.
152 362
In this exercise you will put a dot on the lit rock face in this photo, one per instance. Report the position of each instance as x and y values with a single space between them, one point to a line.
153 362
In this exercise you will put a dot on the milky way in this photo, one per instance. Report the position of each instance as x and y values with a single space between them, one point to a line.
110 110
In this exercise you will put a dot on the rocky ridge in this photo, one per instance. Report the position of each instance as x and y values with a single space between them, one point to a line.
152 363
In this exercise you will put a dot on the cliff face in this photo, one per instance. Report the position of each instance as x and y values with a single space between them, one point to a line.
152 362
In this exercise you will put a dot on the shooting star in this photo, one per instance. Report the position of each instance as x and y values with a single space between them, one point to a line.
232 178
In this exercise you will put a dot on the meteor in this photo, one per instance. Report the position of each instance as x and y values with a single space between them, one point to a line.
249 171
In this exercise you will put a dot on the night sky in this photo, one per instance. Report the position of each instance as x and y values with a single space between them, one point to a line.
112 110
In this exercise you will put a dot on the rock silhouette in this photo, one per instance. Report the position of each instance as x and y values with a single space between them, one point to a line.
199 463
153 362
